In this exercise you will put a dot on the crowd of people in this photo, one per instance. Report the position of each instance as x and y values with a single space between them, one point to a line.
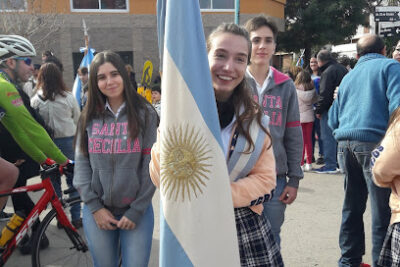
113 139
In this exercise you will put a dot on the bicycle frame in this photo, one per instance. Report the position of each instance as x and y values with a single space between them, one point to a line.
49 196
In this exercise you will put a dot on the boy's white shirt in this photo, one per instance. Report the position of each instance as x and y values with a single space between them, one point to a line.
261 88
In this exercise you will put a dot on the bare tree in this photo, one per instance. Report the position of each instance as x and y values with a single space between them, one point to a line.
374 3
36 20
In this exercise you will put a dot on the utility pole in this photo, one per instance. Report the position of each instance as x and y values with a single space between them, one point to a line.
237 12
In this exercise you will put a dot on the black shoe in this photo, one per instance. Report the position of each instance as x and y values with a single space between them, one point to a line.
320 161
77 223
5 216
25 246
44 243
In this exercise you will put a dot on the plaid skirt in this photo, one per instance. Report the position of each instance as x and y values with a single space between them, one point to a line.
256 243
390 253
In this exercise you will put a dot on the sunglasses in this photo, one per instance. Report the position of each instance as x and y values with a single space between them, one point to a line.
27 60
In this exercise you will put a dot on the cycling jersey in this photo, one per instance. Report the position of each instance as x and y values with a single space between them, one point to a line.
29 134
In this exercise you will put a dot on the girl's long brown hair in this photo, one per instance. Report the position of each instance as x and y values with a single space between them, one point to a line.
304 78
246 109
51 82
95 106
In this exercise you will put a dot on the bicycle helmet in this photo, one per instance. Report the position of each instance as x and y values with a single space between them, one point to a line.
12 46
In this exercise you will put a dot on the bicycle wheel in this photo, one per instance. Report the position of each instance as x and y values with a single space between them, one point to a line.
61 251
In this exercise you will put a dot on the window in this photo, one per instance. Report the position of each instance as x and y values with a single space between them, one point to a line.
99 5
217 4
12 4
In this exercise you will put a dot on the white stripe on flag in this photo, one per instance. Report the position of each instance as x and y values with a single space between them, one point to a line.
205 225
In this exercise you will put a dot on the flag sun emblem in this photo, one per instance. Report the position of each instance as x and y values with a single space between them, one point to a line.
184 167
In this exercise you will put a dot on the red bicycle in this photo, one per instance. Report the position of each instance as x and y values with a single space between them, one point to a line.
67 245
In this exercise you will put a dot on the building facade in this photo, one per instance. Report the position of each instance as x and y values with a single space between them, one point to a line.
128 27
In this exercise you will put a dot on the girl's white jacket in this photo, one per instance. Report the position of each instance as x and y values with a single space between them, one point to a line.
306 101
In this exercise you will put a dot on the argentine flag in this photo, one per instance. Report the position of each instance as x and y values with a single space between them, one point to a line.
197 226
77 88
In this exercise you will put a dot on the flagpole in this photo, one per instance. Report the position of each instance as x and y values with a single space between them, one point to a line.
237 11
85 32
86 60
301 56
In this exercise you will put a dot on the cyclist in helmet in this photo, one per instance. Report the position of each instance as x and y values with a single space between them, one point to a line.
20 127
16 66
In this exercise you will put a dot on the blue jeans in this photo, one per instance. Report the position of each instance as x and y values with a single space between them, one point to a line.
135 244
329 143
66 145
274 210
354 159
317 130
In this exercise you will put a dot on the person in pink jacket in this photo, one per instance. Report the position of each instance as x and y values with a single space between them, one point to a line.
307 96
245 135
386 173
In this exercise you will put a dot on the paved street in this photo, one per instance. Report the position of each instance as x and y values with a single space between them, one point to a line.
310 232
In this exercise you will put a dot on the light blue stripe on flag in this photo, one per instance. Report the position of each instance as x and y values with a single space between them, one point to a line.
77 87
184 18
169 245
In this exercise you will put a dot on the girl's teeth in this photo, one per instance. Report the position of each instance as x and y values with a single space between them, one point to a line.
225 78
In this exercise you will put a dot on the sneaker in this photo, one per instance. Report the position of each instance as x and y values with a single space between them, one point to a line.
320 161
326 170
77 223
308 167
5 216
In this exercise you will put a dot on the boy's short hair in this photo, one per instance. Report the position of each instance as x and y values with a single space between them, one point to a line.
83 70
261 21
157 88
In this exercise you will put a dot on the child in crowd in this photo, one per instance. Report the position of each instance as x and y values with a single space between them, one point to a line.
83 74
306 95
386 173
156 98
228 55
116 131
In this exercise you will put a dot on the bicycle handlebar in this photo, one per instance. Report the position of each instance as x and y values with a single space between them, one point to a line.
49 167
